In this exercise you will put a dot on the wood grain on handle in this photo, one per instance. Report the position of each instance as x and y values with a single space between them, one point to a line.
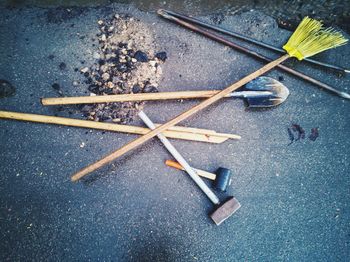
127 97
179 132
139 141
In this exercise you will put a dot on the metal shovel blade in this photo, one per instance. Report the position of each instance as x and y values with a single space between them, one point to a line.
278 92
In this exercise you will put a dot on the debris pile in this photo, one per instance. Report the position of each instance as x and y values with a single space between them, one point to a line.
126 62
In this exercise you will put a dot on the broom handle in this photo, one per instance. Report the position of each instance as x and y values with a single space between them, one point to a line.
139 141
127 97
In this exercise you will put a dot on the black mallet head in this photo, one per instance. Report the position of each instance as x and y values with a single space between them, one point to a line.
222 179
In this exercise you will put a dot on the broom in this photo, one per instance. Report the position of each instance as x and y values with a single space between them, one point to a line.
309 38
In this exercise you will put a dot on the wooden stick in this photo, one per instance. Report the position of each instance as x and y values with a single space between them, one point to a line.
139 141
127 97
193 134
201 131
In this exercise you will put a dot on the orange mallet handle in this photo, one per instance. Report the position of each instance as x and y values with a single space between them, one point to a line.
201 173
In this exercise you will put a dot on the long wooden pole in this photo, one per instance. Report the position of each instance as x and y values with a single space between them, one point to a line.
127 97
139 141
179 132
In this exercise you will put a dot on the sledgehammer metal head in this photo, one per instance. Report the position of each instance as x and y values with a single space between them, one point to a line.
225 210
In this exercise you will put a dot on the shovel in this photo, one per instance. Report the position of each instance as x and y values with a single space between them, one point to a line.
261 92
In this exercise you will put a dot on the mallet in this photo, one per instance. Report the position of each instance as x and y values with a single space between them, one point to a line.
224 211
308 39
222 177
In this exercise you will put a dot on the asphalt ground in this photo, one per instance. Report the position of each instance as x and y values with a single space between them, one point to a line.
295 198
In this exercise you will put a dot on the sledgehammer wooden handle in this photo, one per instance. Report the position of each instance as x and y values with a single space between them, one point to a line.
139 141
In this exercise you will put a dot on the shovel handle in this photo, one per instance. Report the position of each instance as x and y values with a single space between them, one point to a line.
128 97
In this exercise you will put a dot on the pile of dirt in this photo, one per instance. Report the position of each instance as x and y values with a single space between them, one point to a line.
126 63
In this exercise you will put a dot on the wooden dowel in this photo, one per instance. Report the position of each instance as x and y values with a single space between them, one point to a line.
139 141
201 135
201 131
127 97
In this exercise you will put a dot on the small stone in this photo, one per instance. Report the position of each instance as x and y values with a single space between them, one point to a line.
161 56
56 86
103 38
150 89
104 68
153 63
86 108
116 16
101 61
82 144
122 68
100 22
84 69
92 94
75 83
105 76
62 66
141 56
110 84
115 79
116 120
130 44
136 89
134 60
96 55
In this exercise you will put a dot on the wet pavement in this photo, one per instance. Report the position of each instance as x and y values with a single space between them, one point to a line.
295 198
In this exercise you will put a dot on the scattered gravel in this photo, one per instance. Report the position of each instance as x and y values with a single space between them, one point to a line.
126 63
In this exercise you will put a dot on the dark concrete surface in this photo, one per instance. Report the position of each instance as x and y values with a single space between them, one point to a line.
295 199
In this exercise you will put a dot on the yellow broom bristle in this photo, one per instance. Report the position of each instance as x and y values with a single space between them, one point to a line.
311 38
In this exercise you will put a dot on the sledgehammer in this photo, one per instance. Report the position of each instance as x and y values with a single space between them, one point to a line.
223 210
